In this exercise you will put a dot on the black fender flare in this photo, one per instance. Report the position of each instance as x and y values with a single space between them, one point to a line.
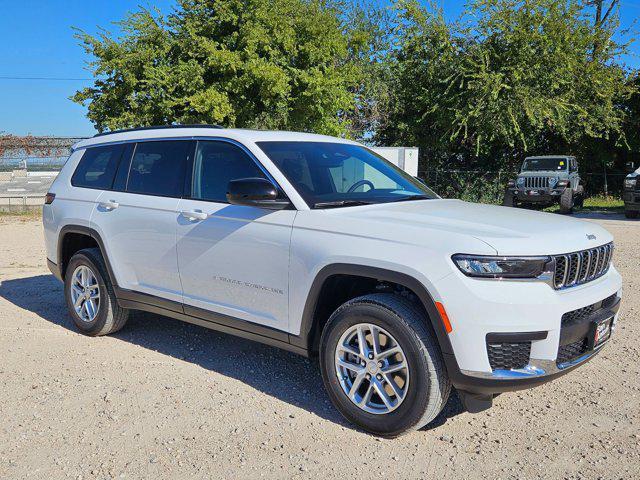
90 232
305 337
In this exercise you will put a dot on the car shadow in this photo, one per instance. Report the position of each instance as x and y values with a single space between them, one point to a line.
283 375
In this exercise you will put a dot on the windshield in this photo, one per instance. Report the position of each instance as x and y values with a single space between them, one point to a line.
547 164
339 174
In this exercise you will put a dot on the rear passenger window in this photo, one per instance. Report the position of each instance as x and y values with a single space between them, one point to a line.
216 164
157 168
97 167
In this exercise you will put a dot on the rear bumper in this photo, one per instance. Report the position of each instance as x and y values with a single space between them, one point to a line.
53 268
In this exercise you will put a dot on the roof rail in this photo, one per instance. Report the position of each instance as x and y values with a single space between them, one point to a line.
158 127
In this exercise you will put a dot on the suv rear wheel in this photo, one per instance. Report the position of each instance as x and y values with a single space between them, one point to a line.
90 297
381 365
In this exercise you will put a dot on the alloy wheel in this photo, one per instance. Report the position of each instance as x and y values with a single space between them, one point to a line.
85 293
372 368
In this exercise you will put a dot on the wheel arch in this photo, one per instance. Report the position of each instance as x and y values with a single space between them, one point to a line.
71 234
312 323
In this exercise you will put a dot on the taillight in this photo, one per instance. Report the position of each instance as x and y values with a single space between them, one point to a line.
49 198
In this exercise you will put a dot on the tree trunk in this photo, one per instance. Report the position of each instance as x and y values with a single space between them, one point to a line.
600 19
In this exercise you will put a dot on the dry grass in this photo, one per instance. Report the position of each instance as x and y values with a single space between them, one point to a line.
21 216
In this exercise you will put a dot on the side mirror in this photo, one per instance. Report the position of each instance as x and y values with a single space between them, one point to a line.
255 192
630 167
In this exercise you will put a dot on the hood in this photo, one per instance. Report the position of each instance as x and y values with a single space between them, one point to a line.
509 231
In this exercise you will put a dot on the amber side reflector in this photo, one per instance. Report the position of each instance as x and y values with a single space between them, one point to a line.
49 198
444 317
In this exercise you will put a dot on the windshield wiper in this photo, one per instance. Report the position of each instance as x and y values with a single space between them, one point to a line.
412 197
340 203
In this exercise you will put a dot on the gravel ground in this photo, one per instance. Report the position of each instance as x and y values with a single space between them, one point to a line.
164 399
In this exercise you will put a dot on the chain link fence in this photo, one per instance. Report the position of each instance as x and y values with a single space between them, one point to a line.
34 153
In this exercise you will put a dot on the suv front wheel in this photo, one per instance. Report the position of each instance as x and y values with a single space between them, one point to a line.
90 297
382 366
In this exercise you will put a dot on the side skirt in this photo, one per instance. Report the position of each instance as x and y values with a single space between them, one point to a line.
205 318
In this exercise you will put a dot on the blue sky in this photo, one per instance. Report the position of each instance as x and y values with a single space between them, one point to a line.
36 40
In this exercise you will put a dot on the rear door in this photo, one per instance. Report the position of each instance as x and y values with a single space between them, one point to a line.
87 173
233 260
137 219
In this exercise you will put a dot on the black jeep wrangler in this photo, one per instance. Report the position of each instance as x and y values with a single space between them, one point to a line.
632 193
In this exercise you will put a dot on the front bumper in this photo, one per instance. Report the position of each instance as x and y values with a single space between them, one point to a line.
540 195
526 310
631 200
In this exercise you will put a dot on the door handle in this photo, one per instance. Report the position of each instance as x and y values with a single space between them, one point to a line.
110 205
193 215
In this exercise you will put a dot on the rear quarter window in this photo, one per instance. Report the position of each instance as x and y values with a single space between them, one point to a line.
97 167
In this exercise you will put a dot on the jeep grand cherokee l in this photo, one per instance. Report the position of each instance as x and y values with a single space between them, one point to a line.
319 246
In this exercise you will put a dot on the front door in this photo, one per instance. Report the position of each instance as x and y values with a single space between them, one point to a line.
233 260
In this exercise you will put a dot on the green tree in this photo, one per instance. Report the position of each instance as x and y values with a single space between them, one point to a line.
521 78
281 64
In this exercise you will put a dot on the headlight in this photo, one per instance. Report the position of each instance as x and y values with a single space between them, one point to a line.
630 182
520 181
501 267
553 181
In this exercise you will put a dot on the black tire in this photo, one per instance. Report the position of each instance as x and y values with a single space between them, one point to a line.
580 197
110 317
507 201
566 201
429 385
631 213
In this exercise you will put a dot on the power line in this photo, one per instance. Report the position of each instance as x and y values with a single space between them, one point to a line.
6 77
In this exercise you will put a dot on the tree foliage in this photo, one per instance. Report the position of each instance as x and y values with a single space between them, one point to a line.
278 64
508 78
523 77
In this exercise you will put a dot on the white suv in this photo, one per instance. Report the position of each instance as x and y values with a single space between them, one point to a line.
319 246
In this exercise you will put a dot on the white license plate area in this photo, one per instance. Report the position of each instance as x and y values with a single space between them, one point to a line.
602 331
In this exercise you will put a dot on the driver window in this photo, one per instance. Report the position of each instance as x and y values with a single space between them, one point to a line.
215 165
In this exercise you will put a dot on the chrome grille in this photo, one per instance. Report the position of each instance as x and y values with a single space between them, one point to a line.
536 182
576 268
